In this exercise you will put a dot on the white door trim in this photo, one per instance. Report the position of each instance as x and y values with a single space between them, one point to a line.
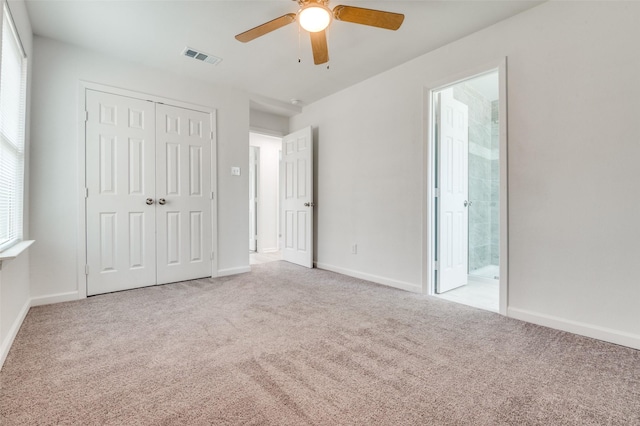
428 245
81 251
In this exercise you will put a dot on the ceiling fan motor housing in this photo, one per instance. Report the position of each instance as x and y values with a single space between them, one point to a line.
314 17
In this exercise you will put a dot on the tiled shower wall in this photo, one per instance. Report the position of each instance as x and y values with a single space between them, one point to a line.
483 177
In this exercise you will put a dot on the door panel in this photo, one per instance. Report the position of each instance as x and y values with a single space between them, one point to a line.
183 176
120 169
298 204
452 213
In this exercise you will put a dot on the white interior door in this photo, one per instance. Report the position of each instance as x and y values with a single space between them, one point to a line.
120 169
253 197
297 205
184 197
453 150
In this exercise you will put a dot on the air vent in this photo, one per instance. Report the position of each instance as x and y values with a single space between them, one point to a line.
201 56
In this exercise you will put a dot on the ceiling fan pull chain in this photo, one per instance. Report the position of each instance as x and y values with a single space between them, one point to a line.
299 48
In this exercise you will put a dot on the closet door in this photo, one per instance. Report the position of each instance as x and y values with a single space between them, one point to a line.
184 197
120 176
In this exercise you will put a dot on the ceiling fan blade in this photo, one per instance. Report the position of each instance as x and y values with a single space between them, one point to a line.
265 28
371 17
319 47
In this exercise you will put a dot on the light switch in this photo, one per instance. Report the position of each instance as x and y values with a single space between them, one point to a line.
235 171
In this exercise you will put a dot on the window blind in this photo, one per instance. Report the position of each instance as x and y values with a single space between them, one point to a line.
12 131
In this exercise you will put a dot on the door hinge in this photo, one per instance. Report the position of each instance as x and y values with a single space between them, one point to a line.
86 269
86 116
86 193
436 192
213 255
436 265
211 135
213 195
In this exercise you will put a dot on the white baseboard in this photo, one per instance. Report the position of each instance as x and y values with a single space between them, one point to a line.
13 332
575 327
270 250
414 288
233 271
54 298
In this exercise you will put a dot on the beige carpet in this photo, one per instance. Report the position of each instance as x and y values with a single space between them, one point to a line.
284 345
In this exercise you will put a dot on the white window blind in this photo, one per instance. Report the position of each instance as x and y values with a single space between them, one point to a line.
12 130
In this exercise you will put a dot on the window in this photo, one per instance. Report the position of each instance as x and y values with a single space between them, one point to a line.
13 79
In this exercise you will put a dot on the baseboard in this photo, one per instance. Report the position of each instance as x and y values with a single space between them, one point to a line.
269 250
13 332
54 298
414 288
233 271
575 327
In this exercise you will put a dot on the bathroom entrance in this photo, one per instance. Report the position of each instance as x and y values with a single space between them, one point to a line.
466 202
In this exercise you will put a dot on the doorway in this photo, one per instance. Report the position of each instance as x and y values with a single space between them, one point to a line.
468 192
265 154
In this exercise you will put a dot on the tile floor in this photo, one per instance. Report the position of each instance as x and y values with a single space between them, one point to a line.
479 293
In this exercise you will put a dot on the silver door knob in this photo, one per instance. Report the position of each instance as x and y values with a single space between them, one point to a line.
149 201
309 204
162 201
467 203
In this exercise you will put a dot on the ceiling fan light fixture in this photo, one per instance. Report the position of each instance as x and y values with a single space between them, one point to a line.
314 17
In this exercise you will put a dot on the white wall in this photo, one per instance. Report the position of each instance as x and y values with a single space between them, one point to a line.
54 161
14 276
268 123
268 190
573 98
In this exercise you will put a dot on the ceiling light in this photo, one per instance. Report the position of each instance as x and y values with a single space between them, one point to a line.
314 17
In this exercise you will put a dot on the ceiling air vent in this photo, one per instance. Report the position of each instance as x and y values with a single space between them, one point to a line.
201 56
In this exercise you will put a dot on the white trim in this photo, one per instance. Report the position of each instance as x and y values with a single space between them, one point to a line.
81 242
428 179
576 327
214 188
144 96
266 132
14 251
503 112
233 271
55 298
81 252
13 332
414 288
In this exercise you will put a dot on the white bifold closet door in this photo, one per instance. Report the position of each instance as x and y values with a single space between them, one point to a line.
148 206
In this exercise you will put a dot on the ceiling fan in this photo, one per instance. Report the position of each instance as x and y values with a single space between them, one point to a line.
315 16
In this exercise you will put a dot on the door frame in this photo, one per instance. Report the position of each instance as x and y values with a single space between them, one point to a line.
257 196
81 243
429 211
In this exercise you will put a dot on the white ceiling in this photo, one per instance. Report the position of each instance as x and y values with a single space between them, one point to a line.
155 32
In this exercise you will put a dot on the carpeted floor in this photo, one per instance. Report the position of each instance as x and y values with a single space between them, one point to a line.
284 345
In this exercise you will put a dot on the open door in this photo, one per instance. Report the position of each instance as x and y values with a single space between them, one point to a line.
297 204
452 216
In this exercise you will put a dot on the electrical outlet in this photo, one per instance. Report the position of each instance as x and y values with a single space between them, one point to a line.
354 249
235 171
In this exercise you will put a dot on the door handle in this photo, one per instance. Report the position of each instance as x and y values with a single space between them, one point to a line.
149 201
162 201
467 203
309 204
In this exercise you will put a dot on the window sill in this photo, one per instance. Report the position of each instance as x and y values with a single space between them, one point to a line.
14 251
